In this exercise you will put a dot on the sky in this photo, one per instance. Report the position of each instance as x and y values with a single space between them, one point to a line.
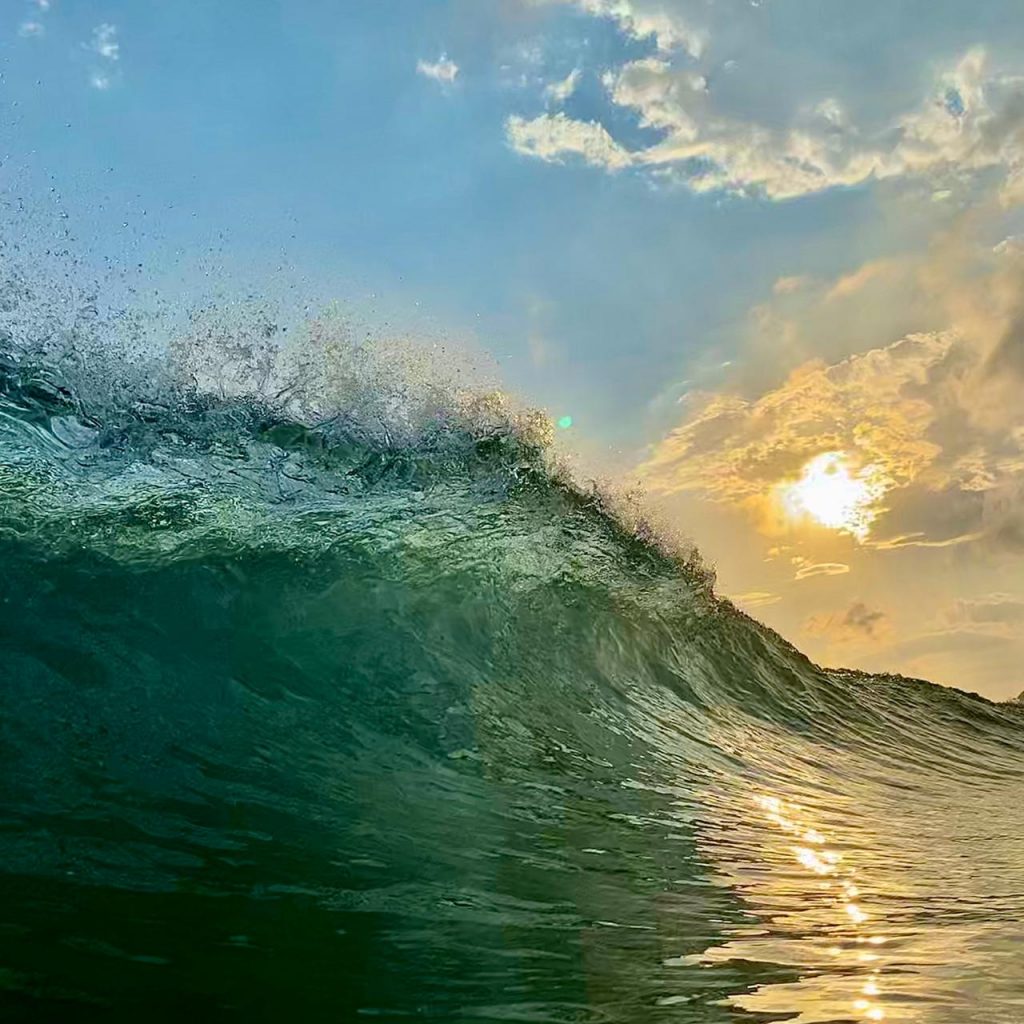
766 254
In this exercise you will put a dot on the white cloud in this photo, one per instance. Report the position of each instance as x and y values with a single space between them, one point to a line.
831 111
104 42
558 92
642 19
787 285
1012 245
663 97
973 120
105 46
32 28
552 137
442 70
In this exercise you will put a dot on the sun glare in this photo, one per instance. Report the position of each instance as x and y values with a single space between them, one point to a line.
831 494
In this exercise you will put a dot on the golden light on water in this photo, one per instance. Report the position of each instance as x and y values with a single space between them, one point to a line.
831 493
814 854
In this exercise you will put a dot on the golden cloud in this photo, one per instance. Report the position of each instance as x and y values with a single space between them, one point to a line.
806 569
873 407
930 424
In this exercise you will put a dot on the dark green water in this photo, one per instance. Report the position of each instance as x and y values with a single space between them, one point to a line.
334 723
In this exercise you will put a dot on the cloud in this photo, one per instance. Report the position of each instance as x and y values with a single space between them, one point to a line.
934 419
1012 245
865 307
974 640
558 92
855 625
807 569
965 641
851 284
104 42
553 137
993 614
32 28
642 19
972 121
919 540
869 406
442 70
945 447
786 285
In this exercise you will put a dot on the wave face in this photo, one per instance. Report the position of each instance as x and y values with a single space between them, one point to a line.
332 717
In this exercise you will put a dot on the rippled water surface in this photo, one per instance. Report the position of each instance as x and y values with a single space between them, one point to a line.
329 723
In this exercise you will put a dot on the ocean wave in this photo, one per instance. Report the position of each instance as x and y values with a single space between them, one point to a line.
328 692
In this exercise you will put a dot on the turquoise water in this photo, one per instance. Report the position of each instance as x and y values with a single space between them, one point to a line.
347 713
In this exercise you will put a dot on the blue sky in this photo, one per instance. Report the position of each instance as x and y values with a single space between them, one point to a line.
641 208
304 130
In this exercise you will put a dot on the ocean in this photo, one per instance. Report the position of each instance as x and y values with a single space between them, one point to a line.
346 702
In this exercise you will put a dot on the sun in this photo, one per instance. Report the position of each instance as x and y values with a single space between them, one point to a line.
830 493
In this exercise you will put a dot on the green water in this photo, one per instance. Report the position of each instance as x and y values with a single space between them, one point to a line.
318 722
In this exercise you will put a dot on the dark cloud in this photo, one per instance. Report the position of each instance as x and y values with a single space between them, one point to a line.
858 622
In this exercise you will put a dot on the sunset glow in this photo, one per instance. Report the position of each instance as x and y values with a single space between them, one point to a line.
831 494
